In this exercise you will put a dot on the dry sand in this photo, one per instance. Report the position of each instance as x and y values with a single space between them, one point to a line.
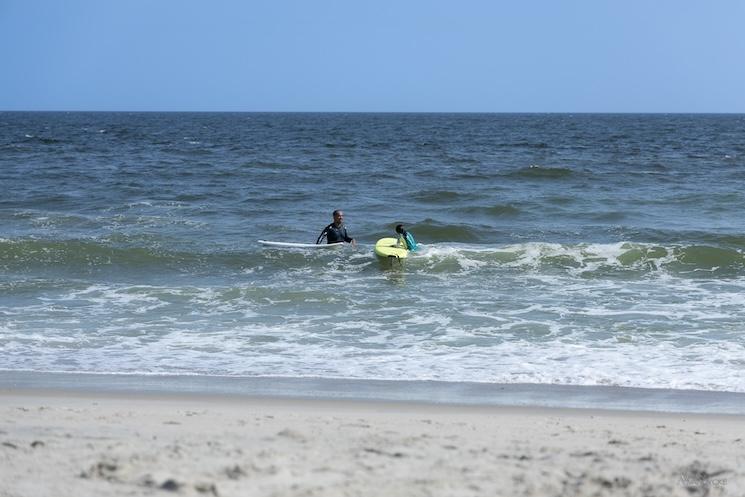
55 443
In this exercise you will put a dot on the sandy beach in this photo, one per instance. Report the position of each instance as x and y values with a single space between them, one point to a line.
58 443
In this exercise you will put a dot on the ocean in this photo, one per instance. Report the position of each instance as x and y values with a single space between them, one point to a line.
556 249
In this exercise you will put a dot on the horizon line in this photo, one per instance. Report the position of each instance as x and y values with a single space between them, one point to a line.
372 112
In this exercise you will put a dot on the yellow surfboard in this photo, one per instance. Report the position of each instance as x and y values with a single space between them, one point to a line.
389 247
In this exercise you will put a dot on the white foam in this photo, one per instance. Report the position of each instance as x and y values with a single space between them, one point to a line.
580 258
346 319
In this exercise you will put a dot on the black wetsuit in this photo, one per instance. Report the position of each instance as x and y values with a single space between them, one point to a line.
334 234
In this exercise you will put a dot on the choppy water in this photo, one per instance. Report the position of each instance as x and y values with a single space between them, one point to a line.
574 249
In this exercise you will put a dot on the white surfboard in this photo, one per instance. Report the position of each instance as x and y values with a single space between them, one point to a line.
301 245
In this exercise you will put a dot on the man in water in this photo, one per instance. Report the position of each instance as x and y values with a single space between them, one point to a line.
406 239
336 232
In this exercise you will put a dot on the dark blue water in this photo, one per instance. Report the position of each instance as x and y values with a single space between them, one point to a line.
576 249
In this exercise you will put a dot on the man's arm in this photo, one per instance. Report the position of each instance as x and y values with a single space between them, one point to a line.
323 234
348 238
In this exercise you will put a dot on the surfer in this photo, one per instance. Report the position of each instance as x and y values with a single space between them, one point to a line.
406 239
336 232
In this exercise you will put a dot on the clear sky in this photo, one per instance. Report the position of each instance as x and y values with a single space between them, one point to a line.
381 55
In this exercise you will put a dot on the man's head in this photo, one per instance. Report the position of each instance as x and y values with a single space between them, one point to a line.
338 216
400 229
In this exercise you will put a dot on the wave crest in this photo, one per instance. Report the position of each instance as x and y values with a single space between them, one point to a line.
593 260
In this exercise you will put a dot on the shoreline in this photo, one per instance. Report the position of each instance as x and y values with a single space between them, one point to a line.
66 442
612 398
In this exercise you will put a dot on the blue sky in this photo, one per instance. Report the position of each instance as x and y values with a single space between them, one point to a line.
387 56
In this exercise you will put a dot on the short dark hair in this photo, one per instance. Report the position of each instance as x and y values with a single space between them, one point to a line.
400 228
337 211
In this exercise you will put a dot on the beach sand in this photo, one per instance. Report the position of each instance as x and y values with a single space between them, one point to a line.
57 443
